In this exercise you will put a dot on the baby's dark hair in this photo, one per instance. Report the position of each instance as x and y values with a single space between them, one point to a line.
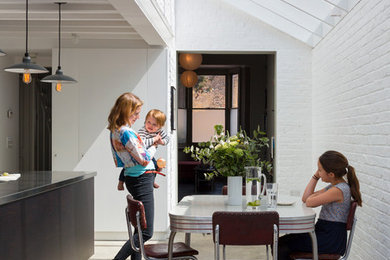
337 163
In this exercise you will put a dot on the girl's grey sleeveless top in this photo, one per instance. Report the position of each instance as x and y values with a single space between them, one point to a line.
337 211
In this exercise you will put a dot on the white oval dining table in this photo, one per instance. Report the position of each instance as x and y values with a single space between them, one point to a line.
193 214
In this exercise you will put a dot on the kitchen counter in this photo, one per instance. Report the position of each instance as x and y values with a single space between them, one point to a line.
47 215
35 182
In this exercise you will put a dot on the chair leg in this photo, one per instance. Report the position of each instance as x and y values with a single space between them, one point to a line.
216 246
314 244
216 251
188 239
275 242
224 252
267 252
140 238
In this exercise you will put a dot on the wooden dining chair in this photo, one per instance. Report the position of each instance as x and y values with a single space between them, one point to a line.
135 215
245 228
351 223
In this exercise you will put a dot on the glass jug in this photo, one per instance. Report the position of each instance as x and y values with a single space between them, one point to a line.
255 192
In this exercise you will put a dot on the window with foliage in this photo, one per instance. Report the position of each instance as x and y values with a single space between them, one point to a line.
213 100
208 106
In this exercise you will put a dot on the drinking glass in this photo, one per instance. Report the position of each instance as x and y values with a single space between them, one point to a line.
272 194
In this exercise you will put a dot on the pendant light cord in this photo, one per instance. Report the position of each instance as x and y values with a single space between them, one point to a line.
26 54
59 35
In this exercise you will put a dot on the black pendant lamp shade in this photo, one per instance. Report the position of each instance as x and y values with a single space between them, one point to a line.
26 67
59 78
2 53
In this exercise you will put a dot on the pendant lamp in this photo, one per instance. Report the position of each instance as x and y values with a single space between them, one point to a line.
59 78
190 61
2 53
26 67
188 78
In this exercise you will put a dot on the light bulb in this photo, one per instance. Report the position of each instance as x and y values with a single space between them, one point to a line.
27 77
59 86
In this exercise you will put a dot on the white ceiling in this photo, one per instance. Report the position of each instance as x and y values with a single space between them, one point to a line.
122 20
85 24
85 19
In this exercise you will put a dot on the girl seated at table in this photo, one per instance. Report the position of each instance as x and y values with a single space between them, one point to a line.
335 200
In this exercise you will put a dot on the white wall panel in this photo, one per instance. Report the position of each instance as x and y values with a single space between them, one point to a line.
9 127
80 111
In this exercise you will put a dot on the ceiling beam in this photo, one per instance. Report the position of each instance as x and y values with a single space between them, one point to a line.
53 1
65 16
72 35
64 29
66 23
53 8
146 20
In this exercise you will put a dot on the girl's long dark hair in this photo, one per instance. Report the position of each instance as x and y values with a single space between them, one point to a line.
333 161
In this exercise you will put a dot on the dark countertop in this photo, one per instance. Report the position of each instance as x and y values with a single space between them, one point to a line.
35 182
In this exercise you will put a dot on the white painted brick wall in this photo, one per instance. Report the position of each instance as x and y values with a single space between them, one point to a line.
351 113
214 26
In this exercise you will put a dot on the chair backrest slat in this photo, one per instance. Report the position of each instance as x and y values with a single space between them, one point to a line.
351 214
245 228
135 206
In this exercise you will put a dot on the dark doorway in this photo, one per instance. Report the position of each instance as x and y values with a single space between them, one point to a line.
242 97
35 124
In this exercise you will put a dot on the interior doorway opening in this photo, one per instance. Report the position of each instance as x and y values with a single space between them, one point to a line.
233 90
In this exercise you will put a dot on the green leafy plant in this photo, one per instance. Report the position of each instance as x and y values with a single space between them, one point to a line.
228 155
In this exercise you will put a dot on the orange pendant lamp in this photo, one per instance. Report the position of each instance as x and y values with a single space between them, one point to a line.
188 78
190 61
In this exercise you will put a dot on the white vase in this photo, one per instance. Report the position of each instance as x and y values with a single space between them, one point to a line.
234 190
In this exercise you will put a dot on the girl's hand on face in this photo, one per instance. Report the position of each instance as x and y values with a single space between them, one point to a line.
317 174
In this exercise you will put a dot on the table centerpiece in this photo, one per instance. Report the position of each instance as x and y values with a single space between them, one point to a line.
230 154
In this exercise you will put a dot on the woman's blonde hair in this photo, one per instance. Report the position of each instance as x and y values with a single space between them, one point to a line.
158 115
124 107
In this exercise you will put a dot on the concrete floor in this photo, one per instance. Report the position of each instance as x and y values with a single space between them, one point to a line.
203 243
